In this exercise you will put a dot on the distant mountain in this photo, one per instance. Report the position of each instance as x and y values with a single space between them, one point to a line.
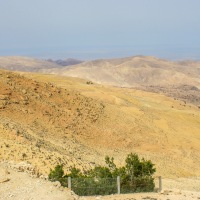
135 71
67 62
174 79
18 63
27 64
123 72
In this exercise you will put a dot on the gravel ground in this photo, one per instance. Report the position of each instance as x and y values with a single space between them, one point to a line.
20 186
167 195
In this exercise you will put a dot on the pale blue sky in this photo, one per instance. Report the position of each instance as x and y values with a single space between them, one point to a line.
88 29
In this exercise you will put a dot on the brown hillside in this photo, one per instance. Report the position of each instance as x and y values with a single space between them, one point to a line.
40 122
174 79
77 123
135 71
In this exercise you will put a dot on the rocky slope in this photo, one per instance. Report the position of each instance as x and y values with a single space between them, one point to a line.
39 122
48 120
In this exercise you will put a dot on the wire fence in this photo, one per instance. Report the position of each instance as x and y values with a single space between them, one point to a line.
107 186
136 185
94 186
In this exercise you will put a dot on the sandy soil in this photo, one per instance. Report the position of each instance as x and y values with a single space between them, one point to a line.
20 186
184 195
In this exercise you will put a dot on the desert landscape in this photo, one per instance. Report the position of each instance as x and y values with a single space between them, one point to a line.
179 80
50 119
99 100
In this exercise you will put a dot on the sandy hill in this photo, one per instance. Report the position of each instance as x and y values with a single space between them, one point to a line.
46 120
135 71
18 63
123 72
180 80
39 120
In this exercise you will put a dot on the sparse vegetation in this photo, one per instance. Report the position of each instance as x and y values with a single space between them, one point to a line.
135 175
89 82
57 173
50 131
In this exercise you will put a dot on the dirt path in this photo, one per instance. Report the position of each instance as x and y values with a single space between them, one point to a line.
20 186
150 196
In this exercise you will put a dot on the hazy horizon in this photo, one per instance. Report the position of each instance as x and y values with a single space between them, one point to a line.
106 53
89 29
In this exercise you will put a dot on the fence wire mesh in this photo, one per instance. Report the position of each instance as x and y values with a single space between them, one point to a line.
94 186
107 186
137 184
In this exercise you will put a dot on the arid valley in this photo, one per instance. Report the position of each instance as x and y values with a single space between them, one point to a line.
76 115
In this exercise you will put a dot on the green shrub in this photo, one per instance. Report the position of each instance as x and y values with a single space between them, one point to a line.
135 176
57 173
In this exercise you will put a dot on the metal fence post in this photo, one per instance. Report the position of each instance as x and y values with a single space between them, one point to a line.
118 185
69 181
160 183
